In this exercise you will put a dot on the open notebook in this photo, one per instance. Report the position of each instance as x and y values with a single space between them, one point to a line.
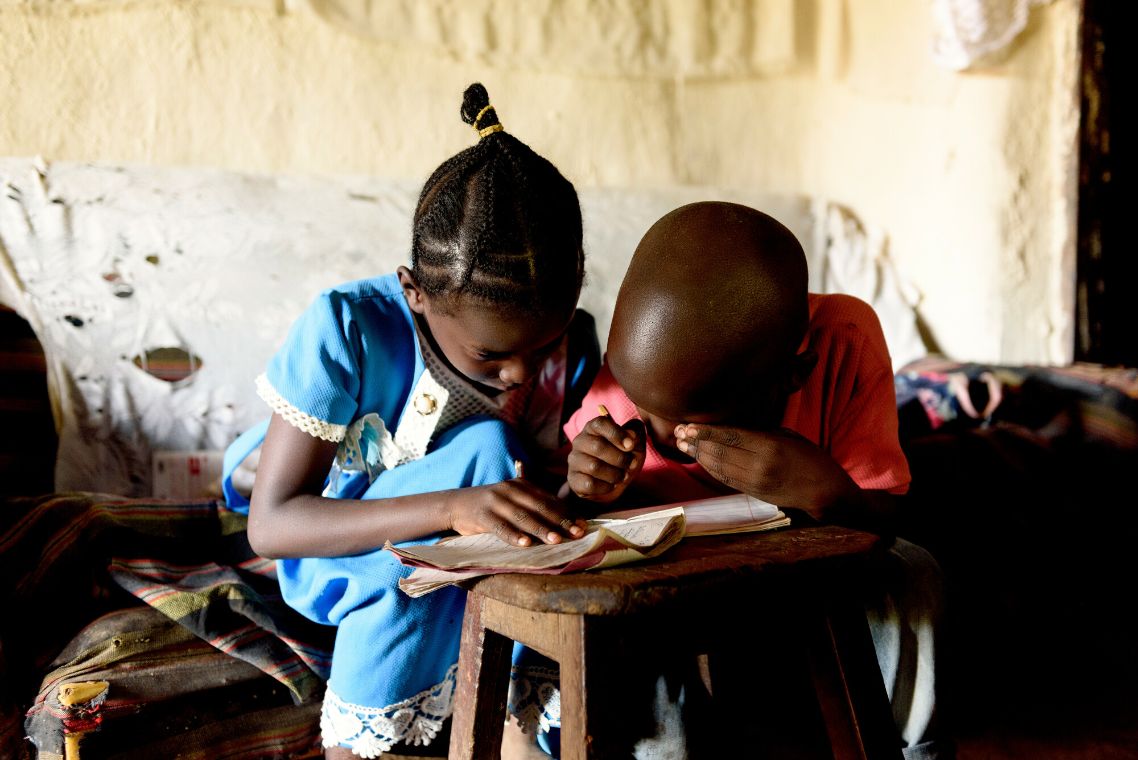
733 513
613 538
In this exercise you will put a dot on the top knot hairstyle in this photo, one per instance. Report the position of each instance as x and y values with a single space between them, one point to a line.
497 222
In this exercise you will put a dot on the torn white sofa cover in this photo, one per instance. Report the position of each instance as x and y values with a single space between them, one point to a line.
121 269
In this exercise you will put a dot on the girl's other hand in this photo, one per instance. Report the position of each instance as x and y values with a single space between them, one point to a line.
516 511
606 457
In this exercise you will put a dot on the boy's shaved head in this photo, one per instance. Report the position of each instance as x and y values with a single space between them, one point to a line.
713 303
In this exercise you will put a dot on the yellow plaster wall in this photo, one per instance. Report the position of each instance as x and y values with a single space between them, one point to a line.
970 175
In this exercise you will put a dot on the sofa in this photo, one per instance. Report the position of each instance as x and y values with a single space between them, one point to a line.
150 629
1029 510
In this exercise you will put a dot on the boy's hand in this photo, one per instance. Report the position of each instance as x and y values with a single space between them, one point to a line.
516 511
777 466
605 458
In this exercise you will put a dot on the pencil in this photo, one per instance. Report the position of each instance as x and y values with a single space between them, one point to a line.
603 410
519 469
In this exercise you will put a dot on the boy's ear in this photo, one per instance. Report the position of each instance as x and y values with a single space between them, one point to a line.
414 296
801 367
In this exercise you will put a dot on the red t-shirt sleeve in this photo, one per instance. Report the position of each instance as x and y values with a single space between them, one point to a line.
866 446
863 437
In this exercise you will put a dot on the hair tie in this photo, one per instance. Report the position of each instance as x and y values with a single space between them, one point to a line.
484 131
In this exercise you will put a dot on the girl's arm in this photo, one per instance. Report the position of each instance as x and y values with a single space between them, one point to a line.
289 518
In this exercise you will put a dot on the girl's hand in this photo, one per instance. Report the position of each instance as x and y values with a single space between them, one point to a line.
516 511
606 457
777 466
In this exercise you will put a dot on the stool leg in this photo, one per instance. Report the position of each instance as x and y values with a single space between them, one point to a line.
574 689
483 682
593 698
848 684
584 647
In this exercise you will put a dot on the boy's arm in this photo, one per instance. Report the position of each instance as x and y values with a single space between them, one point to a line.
785 469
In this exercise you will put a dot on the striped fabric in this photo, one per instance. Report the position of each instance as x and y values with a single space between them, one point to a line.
68 559
148 687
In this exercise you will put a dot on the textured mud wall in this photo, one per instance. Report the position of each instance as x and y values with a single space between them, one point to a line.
967 177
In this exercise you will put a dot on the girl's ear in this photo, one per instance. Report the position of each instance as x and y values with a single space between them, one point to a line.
801 367
415 298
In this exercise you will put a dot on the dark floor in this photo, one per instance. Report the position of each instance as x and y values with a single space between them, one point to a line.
1075 736
1092 715
1067 691
1101 727
1122 745
1005 744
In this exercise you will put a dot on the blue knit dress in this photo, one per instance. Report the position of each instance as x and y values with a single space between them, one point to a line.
355 370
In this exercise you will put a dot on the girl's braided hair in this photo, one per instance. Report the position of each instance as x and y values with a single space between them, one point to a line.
498 222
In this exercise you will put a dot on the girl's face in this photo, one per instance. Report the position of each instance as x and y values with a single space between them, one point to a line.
494 347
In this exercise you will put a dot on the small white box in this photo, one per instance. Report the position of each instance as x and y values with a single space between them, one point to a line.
186 474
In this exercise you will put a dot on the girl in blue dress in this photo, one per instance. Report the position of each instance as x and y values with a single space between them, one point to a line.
403 407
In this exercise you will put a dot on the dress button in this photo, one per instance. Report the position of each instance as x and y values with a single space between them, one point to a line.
425 404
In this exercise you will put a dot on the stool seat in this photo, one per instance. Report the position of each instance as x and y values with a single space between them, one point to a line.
702 596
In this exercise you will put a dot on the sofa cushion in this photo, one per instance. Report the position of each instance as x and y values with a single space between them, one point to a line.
68 559
136 684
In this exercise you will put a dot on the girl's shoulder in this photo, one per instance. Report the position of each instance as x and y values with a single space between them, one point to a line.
369 312
384 287
375 300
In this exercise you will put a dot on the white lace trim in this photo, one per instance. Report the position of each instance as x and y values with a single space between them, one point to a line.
419 421
535 698
327 431
371 731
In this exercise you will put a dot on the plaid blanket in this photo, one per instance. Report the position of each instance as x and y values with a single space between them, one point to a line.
66 559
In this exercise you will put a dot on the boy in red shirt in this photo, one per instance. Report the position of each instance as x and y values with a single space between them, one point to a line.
724 375
744 380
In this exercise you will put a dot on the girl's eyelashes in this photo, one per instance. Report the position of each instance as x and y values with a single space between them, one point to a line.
485 355
549 347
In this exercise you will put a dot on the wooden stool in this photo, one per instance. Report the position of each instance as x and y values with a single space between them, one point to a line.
701 596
